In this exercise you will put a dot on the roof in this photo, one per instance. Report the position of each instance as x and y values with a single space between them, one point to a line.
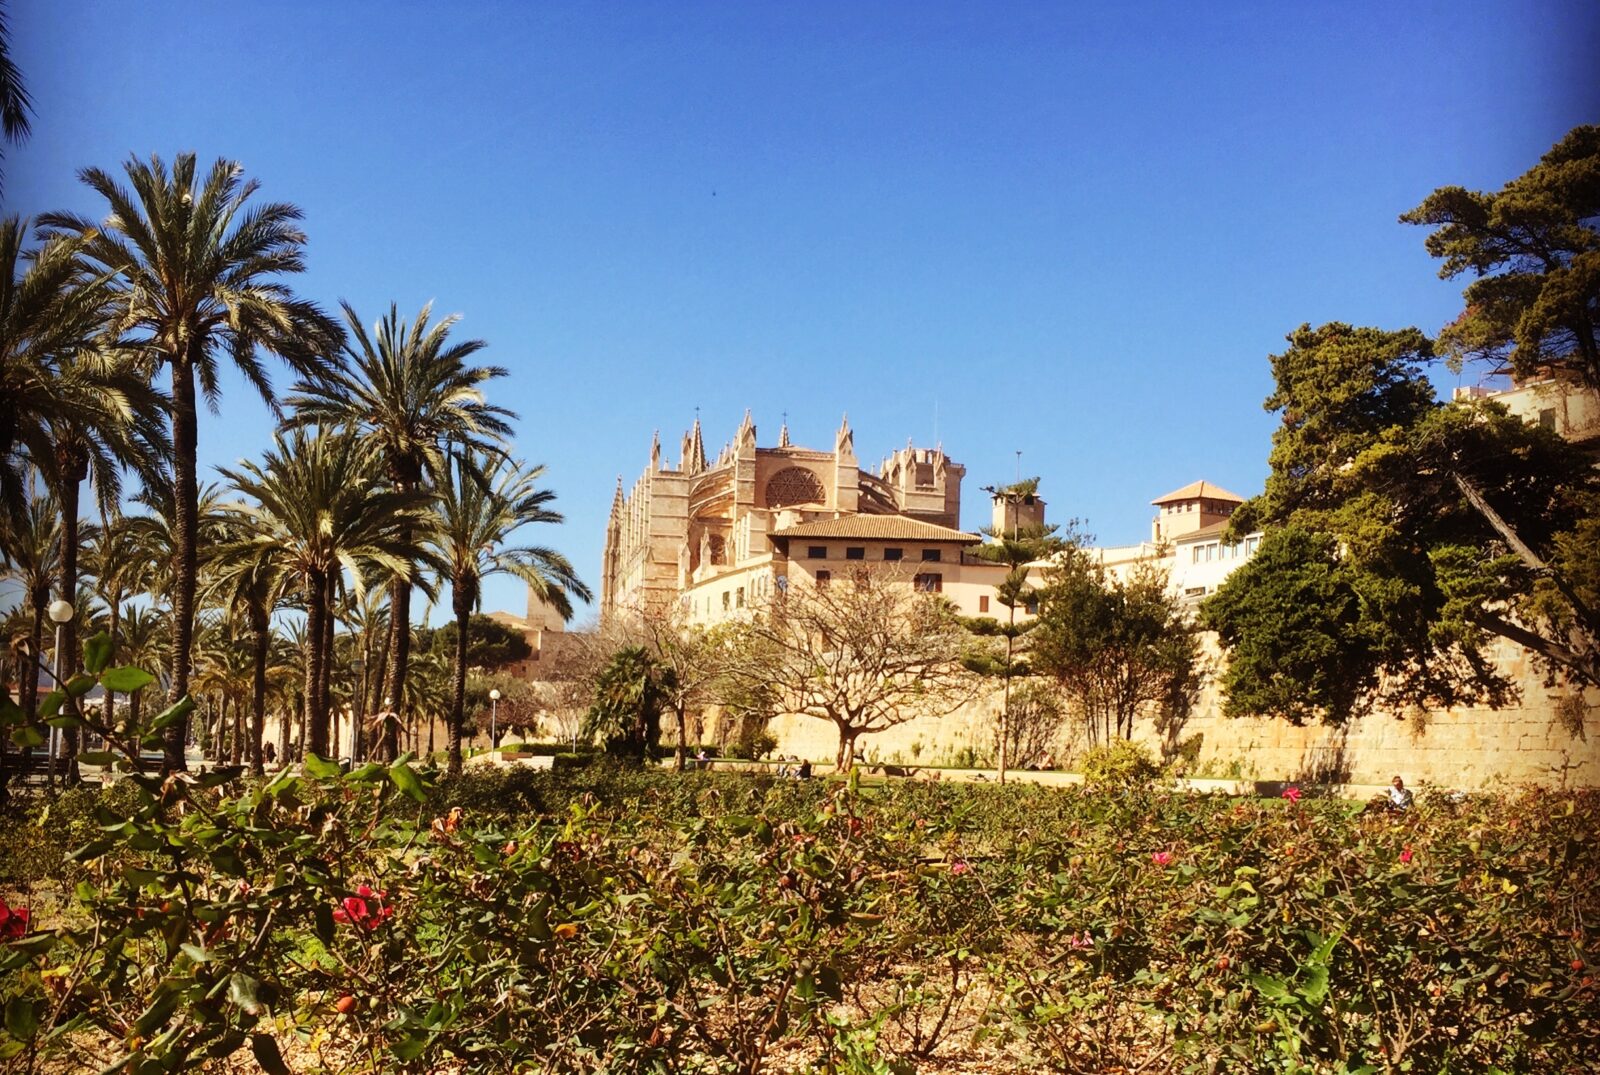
1205 533
1197 491
877 527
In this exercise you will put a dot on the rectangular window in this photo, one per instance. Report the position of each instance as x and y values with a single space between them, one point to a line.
1032 605
1547 419
893 554
929 582
855 552
1194 555
739 600
1250 546
823 578
724 600
816 552
983 603
930 556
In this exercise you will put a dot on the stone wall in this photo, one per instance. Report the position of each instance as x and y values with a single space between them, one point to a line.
1535 741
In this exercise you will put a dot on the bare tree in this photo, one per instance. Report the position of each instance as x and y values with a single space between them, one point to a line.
693 655
865 655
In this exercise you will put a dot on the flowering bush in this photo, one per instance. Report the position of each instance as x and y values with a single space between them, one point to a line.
371 921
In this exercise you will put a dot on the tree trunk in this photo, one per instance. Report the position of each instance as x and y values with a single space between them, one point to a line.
316 735
394 679
458 701
1005 702
185 500
847 749
74 468
109 714
261 642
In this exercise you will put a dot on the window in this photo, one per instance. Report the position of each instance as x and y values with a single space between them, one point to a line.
1032 605
823 578
930 556
1194 555
893 554
929 582
739 599
816 552
983 603
1547 419
724 600
855 552
1195 591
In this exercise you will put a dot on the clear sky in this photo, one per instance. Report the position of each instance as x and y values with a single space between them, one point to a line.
1070 230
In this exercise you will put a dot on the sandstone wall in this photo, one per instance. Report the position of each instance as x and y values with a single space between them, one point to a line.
1537 740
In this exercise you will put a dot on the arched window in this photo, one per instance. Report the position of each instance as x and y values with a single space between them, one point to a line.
794 485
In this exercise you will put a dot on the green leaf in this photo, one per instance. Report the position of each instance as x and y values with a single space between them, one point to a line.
172 714
51 705
80 685
1270 987
97 757
22 1022
323 918
243 990
97 653
322 768
27 736
411 1046
265 1046
406 779
126 680
1316 985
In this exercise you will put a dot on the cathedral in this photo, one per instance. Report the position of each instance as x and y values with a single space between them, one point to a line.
718 536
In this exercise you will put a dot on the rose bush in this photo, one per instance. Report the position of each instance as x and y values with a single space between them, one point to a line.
603 920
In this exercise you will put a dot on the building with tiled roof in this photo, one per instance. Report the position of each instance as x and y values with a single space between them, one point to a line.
719 537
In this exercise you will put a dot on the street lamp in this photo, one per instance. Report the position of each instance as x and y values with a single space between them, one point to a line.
60 613
494 705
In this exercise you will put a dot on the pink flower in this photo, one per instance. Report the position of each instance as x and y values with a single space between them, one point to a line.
13 922
1405 856
959 867
1161 858
365 909
1078 941
1292 793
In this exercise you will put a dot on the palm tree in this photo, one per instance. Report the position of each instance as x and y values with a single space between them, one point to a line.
30 546
143 645
246 577
408 389
316 511
51 310
156 534
14 102
117 565
198 278
482 503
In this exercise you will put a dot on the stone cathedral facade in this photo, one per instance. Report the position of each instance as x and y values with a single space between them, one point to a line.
728 523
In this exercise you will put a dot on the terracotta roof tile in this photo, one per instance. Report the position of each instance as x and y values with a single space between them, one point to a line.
1197 491
880 527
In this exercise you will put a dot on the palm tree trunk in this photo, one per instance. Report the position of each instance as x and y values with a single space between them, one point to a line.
261 641
109 714
458 701
74 469
399 658
185 500
329 637
316 734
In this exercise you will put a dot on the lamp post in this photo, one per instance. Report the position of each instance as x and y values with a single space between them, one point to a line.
494 706
60 613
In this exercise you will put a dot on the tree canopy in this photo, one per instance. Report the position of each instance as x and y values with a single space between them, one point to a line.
1403 535
1534 254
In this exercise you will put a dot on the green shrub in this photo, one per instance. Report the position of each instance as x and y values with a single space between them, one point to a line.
1119 764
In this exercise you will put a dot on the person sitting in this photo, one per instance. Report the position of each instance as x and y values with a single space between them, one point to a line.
1400 796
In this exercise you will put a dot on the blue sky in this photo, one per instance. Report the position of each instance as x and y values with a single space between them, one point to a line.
1076 231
